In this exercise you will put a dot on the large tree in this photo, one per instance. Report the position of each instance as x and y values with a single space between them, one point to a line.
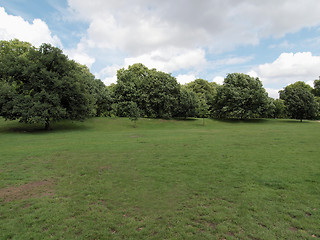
155 93
241 96
299 101
41 85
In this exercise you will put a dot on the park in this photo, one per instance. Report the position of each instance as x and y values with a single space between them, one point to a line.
164 179
149 158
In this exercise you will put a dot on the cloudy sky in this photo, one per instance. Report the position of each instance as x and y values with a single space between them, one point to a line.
277 41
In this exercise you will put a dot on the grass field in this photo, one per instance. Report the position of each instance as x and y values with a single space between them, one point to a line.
104 179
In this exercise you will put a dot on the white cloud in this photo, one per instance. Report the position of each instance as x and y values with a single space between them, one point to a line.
186 78
109 74
252 73
178 36
289 68
81 58
170 59
167 60
36 32
146 26
274 93
219 80
79 55
232 61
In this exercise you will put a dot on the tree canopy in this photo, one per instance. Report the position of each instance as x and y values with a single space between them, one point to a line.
156 93
241 96
205 92
299 101
41 85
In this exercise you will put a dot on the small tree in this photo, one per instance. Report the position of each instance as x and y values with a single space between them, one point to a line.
188 103
134 113
203 110
279 108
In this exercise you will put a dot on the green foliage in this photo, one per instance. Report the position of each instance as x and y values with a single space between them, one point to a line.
241 96
316 89
279 108
134 112
299 101
42 85
155 93
188 103
205 92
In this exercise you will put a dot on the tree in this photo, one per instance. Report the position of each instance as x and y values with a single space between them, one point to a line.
205 92
155 93
241 96
134 113
42 85
203 109
188 103
279 108
316 89
299 101
159 95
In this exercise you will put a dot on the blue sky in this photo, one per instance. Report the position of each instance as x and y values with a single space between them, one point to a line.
277 41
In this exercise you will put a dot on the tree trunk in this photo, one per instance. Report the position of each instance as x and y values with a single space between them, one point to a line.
301 120
47 124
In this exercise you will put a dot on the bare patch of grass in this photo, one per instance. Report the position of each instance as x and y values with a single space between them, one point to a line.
30 190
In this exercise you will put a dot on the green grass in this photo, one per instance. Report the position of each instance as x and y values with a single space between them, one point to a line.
104 179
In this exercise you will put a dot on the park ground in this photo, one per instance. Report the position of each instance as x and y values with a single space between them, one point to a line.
166 179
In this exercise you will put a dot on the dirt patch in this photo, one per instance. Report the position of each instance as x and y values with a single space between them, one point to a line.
30 190
105 168
294 229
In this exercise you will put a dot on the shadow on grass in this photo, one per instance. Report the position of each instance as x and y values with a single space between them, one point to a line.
185 119
235 120
297 121
64 126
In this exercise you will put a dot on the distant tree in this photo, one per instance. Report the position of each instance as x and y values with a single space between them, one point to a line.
42 85
188 103
279 108
317 99
299 101
160 94
203 110
316 89
103 98
134 113
156 93
205 92
241 96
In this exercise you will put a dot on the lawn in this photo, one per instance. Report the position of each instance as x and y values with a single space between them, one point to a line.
104 179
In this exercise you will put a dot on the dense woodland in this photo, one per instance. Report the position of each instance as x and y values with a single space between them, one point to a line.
41 85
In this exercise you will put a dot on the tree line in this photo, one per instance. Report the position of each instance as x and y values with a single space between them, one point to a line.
41 85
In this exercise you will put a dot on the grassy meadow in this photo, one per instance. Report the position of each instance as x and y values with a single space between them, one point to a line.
104 179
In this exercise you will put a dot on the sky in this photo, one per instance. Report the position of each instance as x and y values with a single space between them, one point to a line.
277 41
